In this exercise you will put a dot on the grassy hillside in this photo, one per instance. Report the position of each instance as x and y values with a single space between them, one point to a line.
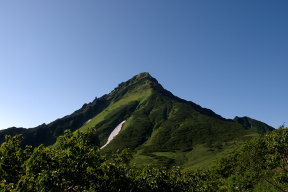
253 124
160 129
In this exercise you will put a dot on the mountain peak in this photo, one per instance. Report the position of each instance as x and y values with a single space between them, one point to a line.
138 83
138 79
143 75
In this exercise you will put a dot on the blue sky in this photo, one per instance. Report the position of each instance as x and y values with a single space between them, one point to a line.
229 56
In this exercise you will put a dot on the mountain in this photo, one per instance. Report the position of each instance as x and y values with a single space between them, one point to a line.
47 134
253 124
159 127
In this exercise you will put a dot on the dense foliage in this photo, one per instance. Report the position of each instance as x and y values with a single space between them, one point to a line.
259 165
75 164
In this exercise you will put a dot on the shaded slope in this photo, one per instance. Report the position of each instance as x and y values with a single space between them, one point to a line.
178 123
47 134
160 128
253 124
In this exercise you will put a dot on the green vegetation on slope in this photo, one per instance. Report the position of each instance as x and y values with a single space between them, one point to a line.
253 124
47 134
77 165
258 165
161 129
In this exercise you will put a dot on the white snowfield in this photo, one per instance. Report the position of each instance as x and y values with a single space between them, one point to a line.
87 122
114 133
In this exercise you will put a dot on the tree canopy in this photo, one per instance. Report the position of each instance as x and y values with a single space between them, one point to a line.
75 164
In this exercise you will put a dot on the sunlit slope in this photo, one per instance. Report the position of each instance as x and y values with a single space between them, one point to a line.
162 129
125 101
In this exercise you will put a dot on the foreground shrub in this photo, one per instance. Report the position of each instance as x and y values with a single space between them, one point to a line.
75 164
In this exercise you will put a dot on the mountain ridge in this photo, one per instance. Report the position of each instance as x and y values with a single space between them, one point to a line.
159 126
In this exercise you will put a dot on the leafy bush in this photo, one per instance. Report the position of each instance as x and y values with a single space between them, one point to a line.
259 161
75 164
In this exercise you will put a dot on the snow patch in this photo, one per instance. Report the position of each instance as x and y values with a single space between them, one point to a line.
87 122
114 133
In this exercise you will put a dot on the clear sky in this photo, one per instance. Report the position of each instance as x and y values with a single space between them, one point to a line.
229 56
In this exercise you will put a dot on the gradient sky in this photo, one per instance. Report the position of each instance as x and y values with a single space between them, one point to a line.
229 56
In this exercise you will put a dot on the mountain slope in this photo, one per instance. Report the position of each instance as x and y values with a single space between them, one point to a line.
160 128
253 124
47 134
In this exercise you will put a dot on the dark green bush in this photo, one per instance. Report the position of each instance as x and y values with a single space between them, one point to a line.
75 164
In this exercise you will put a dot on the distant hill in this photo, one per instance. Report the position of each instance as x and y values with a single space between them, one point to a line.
160 128
253 124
